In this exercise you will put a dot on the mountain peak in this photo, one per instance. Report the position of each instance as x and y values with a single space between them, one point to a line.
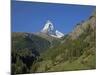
51 31
48 27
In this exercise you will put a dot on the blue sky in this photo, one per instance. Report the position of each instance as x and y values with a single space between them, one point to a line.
31 16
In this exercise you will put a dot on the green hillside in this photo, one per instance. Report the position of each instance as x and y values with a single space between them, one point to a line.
76 52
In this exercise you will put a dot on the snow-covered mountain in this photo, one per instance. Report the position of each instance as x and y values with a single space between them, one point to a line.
51 31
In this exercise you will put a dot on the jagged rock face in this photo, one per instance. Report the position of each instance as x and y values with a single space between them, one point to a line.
48 28
51 31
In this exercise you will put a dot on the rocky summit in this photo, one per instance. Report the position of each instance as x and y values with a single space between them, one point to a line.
51 31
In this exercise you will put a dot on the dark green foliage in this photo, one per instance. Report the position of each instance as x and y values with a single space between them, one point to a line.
19 67
22 60
25 51
46 68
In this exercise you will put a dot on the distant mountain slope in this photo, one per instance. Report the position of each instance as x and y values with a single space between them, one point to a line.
53 41
28 40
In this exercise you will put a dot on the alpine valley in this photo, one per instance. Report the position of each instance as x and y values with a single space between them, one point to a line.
50 50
